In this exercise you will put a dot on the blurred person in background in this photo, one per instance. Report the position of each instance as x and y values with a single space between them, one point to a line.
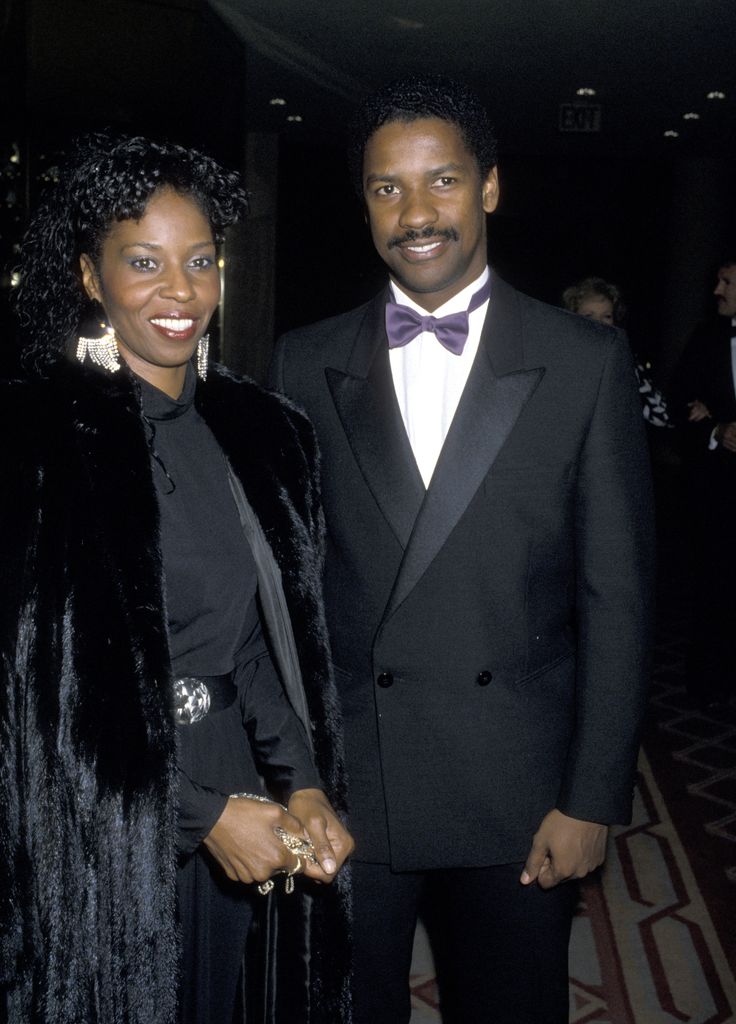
600 300
703 399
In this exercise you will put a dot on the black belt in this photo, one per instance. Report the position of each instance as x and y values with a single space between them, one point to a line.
195 697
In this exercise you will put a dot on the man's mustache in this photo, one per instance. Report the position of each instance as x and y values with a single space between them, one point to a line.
450 234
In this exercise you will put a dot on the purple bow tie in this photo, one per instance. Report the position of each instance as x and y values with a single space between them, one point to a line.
403 324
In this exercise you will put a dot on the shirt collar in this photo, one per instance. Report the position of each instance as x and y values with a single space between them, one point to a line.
456 304
157 405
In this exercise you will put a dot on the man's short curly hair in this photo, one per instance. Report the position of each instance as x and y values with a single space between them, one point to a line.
595 287
409 99
107 179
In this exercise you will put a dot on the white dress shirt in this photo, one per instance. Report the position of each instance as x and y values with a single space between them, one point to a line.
429 380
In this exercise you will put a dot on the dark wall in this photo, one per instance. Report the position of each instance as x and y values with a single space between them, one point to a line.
165 68
563 220
325 258
162 67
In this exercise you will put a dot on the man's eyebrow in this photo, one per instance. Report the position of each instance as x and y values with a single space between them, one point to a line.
379 177
434 172
439 171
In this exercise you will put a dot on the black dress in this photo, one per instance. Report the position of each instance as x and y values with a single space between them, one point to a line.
214 628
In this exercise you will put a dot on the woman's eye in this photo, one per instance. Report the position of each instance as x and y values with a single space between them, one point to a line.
444 180
202 262
143 263
387 190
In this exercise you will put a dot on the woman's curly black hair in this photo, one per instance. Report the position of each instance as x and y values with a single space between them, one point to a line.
107 178
409 99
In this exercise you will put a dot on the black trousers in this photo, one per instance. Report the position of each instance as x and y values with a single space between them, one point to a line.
500 948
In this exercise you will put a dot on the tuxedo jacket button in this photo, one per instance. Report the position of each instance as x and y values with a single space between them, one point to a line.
385 680
484 678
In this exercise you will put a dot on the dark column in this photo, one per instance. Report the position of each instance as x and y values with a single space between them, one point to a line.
250 261
701 221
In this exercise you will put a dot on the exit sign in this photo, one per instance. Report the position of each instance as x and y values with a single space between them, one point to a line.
580 117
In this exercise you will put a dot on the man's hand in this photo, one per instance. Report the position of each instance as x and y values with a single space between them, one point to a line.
244 844
331 840
698 411
726 436
564 848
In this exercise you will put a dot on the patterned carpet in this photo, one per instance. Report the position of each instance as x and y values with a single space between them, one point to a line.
654 938
646 947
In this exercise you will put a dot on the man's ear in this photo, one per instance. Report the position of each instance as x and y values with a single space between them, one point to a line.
490 191
89 278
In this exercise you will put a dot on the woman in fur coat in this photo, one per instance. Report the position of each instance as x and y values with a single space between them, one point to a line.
168 725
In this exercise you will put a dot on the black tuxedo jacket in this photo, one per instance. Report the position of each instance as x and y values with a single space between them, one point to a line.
705 373
490 634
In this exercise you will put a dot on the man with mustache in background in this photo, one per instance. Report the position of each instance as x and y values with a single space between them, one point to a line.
704 406
488 575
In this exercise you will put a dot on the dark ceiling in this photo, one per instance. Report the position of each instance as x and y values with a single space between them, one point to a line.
650 62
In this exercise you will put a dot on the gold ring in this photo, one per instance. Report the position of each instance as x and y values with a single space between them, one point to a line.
297 844
289 883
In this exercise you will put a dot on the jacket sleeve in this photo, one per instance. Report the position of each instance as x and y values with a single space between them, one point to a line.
699 375
198 809
614 557
276 735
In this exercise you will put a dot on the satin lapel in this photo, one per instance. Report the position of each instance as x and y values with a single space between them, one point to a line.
497 390
365 401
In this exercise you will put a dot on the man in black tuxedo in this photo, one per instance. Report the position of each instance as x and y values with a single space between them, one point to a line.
487 501
704 406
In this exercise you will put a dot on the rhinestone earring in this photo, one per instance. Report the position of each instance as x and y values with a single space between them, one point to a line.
203 349
102 351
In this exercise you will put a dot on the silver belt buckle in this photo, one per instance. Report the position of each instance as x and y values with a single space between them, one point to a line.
192 700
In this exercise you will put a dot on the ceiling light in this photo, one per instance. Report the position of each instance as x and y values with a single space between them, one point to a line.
294 117
277 101
691 116
408 23
716 94
671 134
585 91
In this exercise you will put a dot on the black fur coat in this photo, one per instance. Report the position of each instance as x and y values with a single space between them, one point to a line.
87 740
